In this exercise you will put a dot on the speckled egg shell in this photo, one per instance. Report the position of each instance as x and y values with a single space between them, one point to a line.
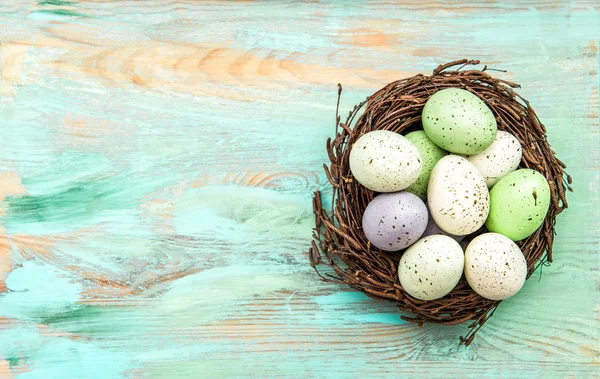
458 121
457 196
518 204
385 161
430 155
502 157
433 229
495 267
431 268
394 221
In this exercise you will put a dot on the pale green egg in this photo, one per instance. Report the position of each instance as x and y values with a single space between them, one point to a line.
430 155
518 204
458 121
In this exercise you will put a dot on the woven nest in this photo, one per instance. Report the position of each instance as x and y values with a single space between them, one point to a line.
339 242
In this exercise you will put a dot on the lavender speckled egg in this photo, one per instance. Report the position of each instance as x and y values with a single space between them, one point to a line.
495 267
502 157
385 161
431 268
433 229
394 221
458 198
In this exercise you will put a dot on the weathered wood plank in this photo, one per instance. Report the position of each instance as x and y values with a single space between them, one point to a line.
157 165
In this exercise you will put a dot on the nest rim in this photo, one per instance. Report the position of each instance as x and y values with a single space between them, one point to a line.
338 240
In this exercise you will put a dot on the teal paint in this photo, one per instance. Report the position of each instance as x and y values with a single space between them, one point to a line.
38 291
57 3
355 307
235 214
76 359
78 204
51 14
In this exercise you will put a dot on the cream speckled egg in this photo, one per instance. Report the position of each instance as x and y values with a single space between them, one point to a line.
385 161
457 196
431 268
495 267
502 157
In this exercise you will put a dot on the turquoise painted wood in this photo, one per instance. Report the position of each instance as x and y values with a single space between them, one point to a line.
157 163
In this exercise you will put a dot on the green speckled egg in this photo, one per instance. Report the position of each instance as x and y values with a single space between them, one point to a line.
518 204
458 121
430 155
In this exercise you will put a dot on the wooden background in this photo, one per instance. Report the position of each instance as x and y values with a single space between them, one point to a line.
157 162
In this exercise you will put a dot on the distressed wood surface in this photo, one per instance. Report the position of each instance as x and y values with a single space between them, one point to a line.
157 165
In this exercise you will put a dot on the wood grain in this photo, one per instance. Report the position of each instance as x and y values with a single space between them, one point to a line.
156 172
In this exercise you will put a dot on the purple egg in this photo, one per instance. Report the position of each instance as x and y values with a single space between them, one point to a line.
434 229
394 221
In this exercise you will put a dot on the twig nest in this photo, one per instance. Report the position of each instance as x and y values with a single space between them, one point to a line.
340 237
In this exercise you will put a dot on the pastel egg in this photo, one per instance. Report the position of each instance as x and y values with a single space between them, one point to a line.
457 196
518 204
394 221
431 268
458 121
495 267
500 158
433 229
430 155
385 161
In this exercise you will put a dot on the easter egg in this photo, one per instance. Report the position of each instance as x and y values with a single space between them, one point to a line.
500 158
458 121
495 267
385 161
394 221
431 268
518 204
433 229
430 155
457 196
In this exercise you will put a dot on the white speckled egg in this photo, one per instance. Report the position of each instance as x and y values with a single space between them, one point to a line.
457 195
431 268
502 157
394 221
495 267
385 161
